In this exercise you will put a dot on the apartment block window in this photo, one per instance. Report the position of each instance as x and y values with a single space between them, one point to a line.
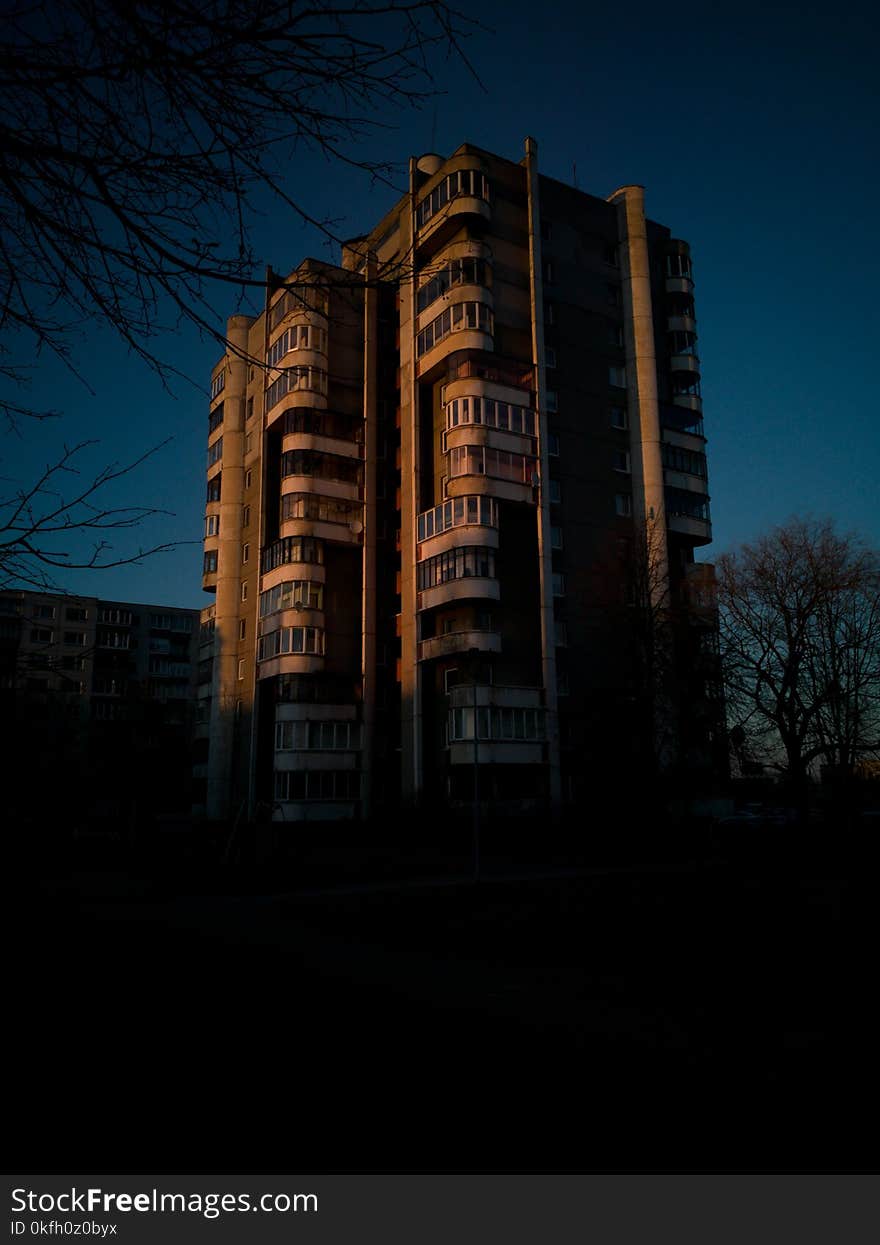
612 295
615 334
242 628
245 552
210 563
73 663
547 270
623 505
248 442
212 525
467 271
619 417
556 491
246 517
549 313
76 614
215 419
244 591
560 633
550 356
558 582
617 376
241 666
44 611
553 444
468 315
248 478
620 460
76 639
250 403
552 400
678 266
218 384
215 452
555 537
40 635
611 256
214 488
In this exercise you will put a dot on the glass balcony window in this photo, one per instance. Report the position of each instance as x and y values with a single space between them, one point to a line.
457 512
292 549
317 736
298 337
464 563
319 509
293 592
296 640
341 427
491 414
682 342
678 266
466 271
689 461
684 503
469 315
303 298
463 182
317 784
321 466
494 723
293 379
482 460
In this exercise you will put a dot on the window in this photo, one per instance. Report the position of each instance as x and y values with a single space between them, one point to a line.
612 296
76 639
687 504
620 460
292 594
549 313
682 342
556 491
248 442
212 525
76 614
210 562
466 271
549 356
689 461
470 315
463 182
611 256
495 723
560 633
678 266
215 452
296 640
112 614
44 611
241 666
244 591
623 505
555 537
321 466
296 378
491 413
40 635
218 384
214 488
250 403
298 784
484 460
547 270
73 663
245 552
619 417
558 582
246 517
291 549
248 478
215 419
459 563
457 512
323 736
553 444
685 383
552 400
617 376
615 334
242 628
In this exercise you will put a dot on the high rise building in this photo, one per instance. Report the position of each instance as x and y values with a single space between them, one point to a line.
455 487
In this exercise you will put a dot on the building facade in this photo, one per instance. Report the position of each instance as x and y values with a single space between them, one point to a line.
103 696
454 491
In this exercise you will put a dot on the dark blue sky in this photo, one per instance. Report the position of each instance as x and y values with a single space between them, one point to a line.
754 132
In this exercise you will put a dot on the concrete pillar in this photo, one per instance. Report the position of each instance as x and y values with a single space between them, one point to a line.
545 556
225 673
368 588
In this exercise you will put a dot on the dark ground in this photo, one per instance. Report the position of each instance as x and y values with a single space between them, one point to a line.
699 1005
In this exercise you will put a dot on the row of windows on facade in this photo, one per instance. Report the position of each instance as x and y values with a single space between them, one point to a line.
296 378
321 509
469 315
76 613
321 466
467 271
79 639
491 414
508 724
304 298
457 512
317 785
461 563
298 337
463 182
317 736
305 640
482 460
292 549
336 424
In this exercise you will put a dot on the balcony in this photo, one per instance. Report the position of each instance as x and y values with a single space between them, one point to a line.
685 363
469 588
456 642
698 530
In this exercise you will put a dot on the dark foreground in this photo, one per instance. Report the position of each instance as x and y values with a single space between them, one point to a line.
710 1010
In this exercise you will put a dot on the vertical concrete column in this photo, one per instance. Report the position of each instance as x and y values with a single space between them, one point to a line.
410 691
368 581
641 379
225 680
545 555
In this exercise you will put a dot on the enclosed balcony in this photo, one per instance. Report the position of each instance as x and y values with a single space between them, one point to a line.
510 725
454 643
459 574
458 197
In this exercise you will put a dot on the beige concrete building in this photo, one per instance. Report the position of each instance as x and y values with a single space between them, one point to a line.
454 491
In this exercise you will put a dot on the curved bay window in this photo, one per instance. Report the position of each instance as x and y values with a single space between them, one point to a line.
457 512
681 341
685 384
303 298
295 640
689 505
293 592
679 266
469 315
462 182
468 562
323 736
491 414
496 723
466 271
324 424
321 466
482 460
298 337
319 509
294 378
291 549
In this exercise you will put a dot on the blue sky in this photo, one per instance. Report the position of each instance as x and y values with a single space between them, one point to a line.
754 132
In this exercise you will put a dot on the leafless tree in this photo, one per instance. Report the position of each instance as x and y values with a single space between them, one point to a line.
137 143
800 634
